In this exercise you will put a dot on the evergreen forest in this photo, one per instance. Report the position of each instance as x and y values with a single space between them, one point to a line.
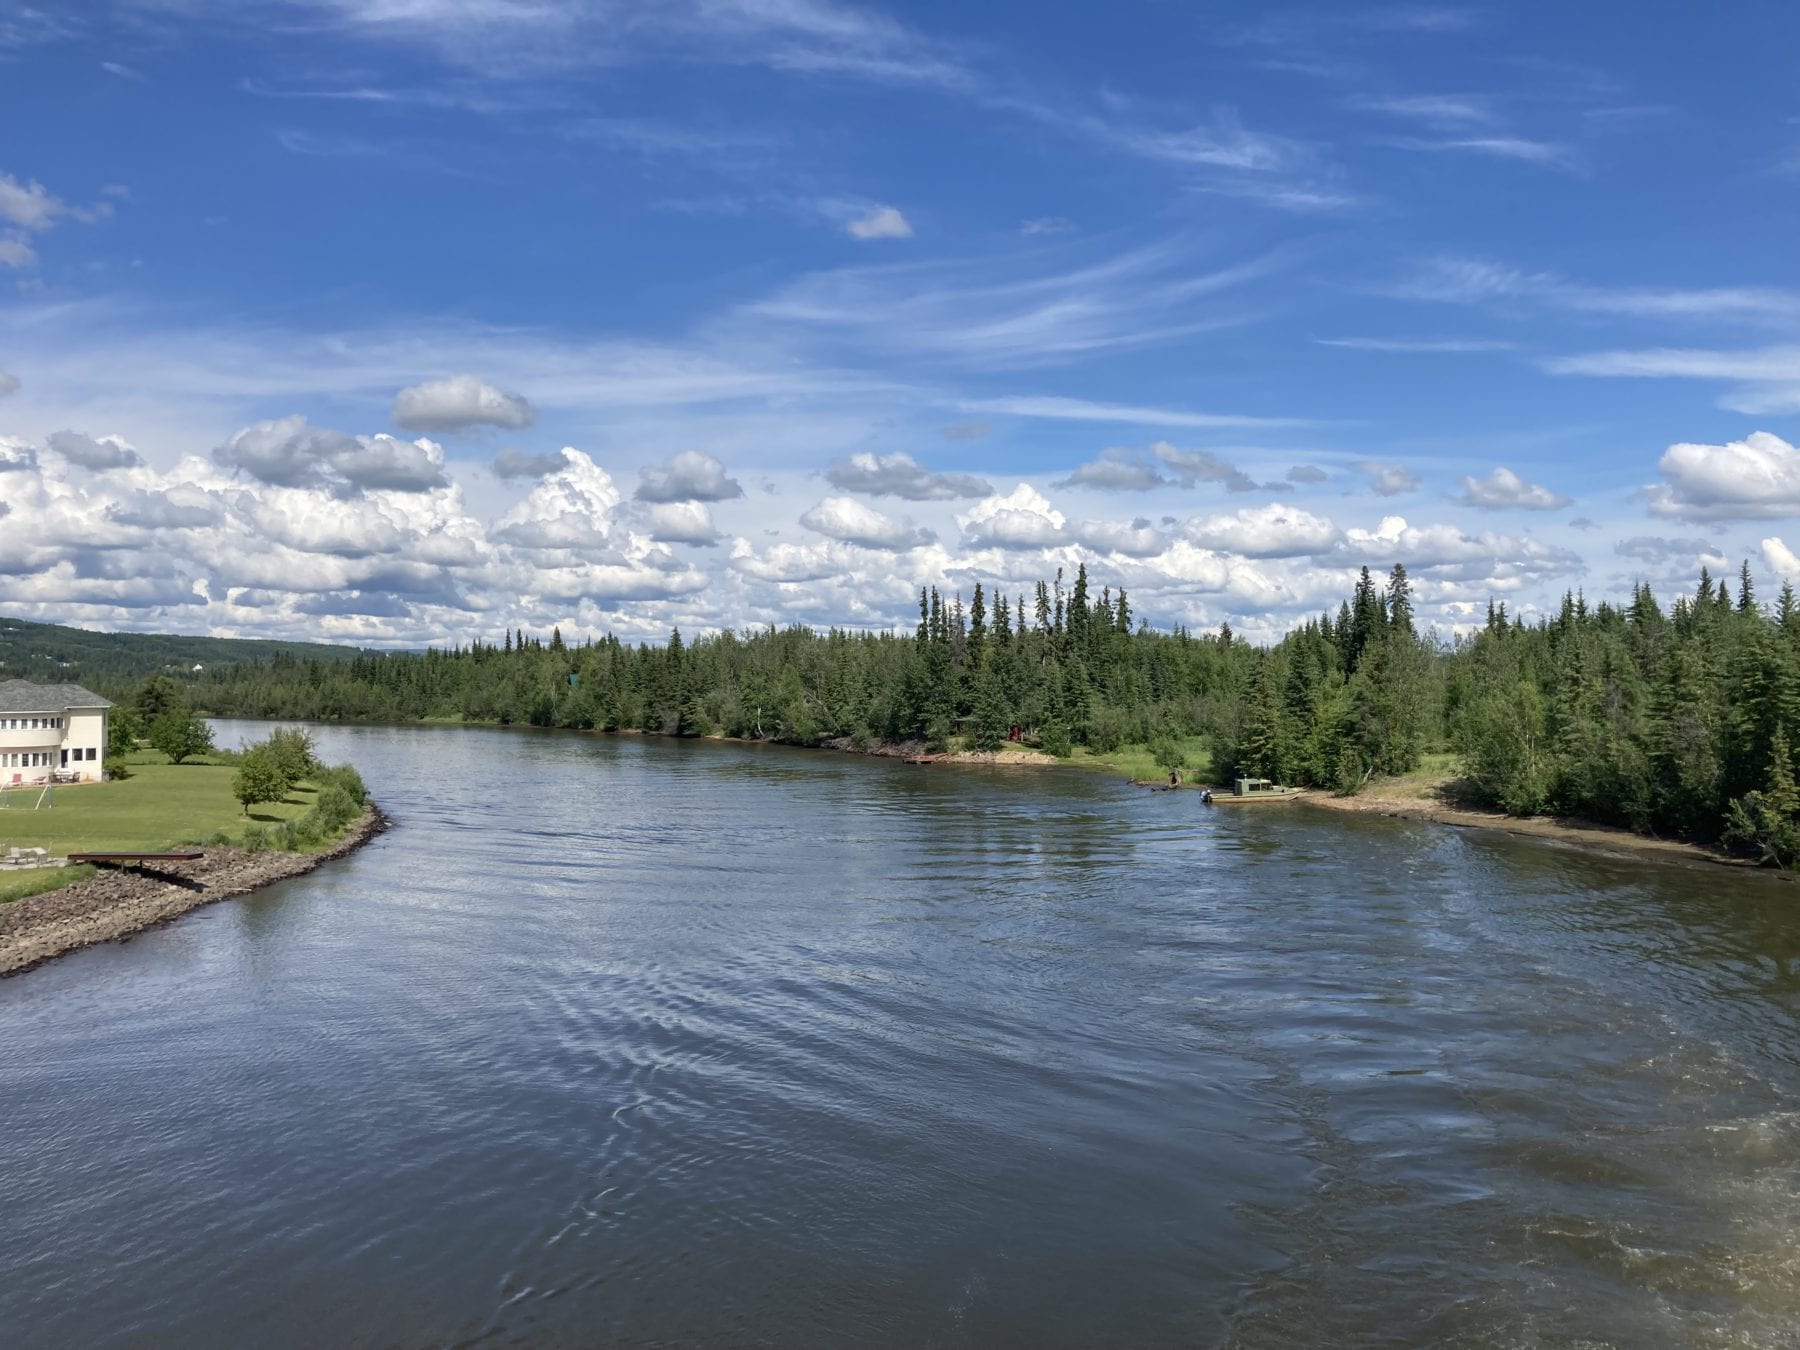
1678 720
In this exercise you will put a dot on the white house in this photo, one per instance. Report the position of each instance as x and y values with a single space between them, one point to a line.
50 731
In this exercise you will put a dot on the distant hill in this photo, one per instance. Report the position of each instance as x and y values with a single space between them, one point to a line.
116 663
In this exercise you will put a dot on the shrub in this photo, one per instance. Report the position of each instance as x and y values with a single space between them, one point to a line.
1170 755
1054 740
117 770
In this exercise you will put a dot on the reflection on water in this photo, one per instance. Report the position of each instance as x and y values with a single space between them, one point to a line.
620 1041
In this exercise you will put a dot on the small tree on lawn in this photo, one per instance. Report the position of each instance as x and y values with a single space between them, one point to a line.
260 778
180 735
291 748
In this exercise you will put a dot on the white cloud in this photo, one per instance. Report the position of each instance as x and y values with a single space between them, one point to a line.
1505 490
458 403
1011 312
1767 378
690 476
1545 153
1081 410
1272 531
1045 225
107 452
1135 538
683 523
1463 280
854 522
287 452
1022 519
1192 467
30 208
17 455
883 222
1388 480
900 475
1758 476
1118 469
1780 560
1417 345
1443 553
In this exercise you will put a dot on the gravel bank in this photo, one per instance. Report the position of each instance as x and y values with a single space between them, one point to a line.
120 901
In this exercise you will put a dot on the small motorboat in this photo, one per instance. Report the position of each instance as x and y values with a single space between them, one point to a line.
1247 790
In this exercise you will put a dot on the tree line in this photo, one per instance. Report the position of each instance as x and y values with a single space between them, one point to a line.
1678 720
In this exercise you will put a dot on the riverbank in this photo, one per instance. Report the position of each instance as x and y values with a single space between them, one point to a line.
115 903
1584 834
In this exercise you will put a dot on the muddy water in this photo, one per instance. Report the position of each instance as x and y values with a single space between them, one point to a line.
629 1042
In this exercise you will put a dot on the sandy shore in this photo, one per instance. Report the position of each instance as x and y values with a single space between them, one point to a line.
118 902
1604 838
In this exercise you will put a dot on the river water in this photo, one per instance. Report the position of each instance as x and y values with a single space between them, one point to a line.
630 1042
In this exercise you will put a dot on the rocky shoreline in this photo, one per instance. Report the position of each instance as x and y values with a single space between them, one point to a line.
119 902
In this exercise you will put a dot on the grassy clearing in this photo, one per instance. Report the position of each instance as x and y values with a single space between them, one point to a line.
1139 761
1434 780
160 805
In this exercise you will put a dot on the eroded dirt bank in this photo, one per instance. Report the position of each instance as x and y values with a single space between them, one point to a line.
118 902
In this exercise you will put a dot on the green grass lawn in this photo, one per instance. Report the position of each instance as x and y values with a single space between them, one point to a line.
160 805
1139 762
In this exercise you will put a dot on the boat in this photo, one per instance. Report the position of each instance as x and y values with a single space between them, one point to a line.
1247 790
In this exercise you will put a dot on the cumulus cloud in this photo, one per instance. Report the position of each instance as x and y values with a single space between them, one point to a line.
1193 467
515 463
900 475
1503 489
289 452
1307 473
458 403
1022 519
1272 531
108 452
1657 549
689 477
1781 560
383 463
1135 538
790 564
283 452
1584 524
1758 476
16 455
1445 553
1117 469
8 383
883 222
28 208
683 523
855 522
1388 480
179 508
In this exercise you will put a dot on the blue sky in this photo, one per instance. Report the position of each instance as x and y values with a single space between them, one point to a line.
404 320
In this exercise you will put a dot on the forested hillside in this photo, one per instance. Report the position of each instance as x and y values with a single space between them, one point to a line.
113 663
1677 721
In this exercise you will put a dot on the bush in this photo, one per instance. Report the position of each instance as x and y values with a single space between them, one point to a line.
1054 740
1170 755
937 735
117 770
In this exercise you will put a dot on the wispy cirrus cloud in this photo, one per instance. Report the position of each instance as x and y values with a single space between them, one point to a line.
1418 345
1764 380
964 312
1453 279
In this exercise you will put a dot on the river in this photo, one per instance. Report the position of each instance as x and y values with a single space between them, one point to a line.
618 1041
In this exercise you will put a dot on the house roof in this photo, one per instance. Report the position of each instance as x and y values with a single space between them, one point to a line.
22 696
